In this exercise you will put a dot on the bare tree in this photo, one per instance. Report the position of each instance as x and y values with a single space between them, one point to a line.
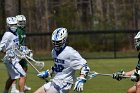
11 8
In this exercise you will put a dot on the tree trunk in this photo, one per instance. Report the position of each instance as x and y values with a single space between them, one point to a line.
2 16
11 8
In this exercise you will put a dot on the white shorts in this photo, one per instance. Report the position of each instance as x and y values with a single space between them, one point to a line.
14 69
54 88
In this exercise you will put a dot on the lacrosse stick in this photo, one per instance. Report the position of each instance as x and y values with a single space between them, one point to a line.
19 54
39 64
94 74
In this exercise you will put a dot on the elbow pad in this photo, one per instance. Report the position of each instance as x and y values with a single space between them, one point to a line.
85 70
138 66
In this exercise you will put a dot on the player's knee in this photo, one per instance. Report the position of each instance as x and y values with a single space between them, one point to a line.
138 85
131 90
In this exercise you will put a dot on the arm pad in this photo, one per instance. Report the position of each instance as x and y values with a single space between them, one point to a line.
138 66
85 70
135 76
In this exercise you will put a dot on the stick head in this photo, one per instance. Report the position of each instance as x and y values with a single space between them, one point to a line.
39 64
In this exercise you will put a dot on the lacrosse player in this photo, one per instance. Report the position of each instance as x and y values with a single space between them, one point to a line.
21 22
134 74
11 61
66 62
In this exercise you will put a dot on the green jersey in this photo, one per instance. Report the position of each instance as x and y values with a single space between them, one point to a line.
22 35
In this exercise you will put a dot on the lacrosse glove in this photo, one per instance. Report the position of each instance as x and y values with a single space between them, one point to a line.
10 54
118 75
79 84
25 50
43 74
135 76
30 53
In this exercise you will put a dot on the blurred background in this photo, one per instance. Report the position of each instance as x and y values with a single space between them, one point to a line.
97 28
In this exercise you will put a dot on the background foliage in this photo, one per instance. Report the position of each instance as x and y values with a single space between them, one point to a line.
46 15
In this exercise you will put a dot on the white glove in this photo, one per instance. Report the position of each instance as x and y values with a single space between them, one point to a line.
30 53
79 84
24 50
10 54
23 56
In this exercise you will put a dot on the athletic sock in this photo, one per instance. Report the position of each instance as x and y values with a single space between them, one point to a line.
13 87
21 92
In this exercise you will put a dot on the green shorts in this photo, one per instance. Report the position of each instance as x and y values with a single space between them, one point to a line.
23 63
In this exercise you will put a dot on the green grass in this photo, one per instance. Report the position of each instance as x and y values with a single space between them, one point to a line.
100 84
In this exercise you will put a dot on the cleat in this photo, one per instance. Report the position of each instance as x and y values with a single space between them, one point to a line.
26 88
15 91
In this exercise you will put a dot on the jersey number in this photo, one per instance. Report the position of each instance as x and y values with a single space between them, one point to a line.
58 68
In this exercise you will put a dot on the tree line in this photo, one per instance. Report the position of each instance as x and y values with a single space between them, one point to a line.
75 15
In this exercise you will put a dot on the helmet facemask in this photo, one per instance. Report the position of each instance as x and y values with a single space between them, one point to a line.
137 43
21 24
21 20
58 45
59 37
13 28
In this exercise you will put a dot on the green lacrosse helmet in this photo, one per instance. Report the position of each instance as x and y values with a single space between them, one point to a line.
21 20
137 41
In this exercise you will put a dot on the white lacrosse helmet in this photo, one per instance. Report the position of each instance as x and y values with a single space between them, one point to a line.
21 20
137 41
12 23
59 37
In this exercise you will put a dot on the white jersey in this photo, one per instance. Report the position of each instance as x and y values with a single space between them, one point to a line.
8 40
66 63
14 69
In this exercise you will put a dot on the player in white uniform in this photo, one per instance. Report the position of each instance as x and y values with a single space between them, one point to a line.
66 62
10 39
21 23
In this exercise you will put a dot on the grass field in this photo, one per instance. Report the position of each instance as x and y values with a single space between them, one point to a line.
101 84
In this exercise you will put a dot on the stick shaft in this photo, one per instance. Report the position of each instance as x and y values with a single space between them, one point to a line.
32 65
102 74
35 68
31 59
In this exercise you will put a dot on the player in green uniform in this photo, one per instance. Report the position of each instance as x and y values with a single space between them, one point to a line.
22 36
135 73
